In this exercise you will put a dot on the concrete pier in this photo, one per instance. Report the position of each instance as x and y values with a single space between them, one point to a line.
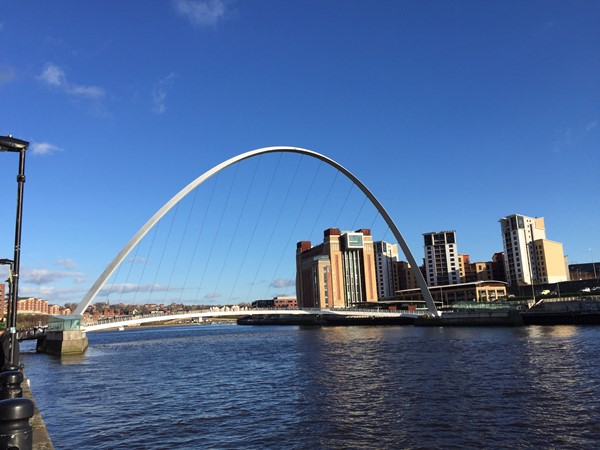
65 336
63 342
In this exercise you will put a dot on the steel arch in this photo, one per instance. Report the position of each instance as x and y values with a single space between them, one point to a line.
91 294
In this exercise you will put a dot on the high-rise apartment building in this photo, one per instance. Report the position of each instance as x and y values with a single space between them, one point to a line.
528 256
338 273
385 256
441 258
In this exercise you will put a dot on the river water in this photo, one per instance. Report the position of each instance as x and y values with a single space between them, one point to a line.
246 387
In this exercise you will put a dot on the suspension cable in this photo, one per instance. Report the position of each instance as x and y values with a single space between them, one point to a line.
293 228
325 202
198 236
235 231
146 262
255 226
212 247
162 255
274 227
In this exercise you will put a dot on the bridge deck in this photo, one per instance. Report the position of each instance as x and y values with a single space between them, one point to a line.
124 321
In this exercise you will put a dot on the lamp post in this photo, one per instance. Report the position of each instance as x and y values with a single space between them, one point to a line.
11 144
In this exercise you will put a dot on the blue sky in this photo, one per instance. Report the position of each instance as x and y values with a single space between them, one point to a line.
454 114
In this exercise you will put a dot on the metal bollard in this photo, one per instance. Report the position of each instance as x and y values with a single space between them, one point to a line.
10 385
8 367
15 431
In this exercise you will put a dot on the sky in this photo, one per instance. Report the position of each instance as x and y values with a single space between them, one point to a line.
454 114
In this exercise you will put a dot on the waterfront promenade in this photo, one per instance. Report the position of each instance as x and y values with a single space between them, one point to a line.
41 438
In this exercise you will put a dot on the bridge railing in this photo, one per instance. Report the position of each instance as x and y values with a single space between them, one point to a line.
238 312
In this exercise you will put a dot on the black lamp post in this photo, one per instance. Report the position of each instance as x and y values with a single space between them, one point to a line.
11 144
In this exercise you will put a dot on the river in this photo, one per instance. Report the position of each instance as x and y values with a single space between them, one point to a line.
251 387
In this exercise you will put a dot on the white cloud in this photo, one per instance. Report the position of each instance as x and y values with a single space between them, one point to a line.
54 295
159 93
86 91
45 276
212 295
125 288
44 148
201 12
67 263
54 76
590 126
281 282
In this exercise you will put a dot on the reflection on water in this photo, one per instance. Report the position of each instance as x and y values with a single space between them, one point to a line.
565 331
337 387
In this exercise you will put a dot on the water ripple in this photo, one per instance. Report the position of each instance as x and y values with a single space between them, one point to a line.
227 387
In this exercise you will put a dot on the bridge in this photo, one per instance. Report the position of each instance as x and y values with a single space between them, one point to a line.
152 224
126 321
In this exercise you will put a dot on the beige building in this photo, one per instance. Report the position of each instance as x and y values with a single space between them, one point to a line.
551 262
476 271
338 273
528 256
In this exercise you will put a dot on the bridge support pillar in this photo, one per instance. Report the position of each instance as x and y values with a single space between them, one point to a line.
64 336
63 342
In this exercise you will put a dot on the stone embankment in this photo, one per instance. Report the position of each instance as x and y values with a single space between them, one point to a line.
41 438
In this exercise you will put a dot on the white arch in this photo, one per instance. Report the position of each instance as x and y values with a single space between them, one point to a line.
91 294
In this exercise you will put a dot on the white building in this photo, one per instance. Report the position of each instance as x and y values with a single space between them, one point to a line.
385 256
528 256
441 258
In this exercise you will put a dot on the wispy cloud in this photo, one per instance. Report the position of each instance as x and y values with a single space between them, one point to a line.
45 276
201 12
159 93
6 74
44 148
212 296
54 76
67 263
574 136
137 260
125 288
54 295
282 282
